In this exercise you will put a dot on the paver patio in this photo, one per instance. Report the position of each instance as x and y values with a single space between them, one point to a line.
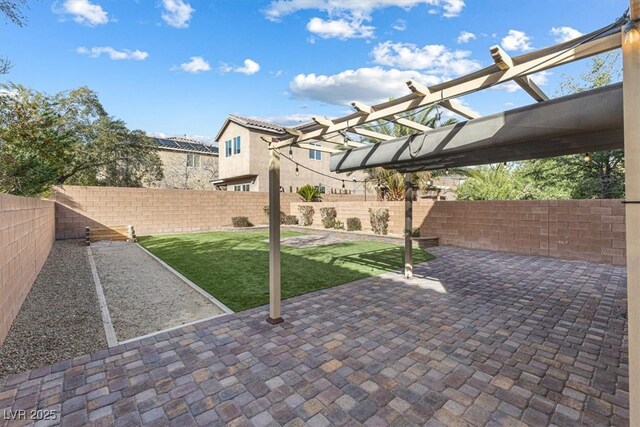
514 340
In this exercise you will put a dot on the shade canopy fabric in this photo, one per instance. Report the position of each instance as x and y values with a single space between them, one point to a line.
585 122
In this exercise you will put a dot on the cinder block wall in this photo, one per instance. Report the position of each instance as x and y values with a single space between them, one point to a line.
154 210
27 232
589 230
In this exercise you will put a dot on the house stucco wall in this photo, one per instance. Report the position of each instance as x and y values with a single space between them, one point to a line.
254 160
178 175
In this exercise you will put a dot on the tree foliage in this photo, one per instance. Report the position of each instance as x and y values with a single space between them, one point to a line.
389 184
12 10
68 138
565 177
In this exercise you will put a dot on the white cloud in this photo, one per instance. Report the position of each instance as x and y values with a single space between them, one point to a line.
465 37
344 28
540 79
368 85
116 55
563 34
249 68
400 25
84 12
346 18
177 13
279 8
435 58
197 64
517 40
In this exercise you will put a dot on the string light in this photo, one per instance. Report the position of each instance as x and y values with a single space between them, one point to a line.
297 170
315 171
290 151
587 157
343 183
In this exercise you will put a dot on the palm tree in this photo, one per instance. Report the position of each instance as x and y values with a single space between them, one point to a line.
389 184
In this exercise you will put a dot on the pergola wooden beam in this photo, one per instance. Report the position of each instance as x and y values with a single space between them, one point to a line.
531 63
411 124
459 109
362 108
371 134
504 62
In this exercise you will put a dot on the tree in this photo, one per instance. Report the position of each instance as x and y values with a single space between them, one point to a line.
389 184
12 11
67 138
602 176
491 182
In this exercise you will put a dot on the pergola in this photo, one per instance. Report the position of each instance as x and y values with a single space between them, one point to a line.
602 119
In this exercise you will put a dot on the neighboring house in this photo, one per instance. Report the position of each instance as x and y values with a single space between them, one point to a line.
244 161
187 164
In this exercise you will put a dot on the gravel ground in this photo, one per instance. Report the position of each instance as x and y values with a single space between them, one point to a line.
142 295
60 317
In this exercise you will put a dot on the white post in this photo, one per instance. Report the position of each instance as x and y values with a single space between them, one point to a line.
408 225
631 94
274 238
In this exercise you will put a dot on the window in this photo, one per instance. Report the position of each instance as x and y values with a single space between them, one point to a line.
315 154
232 147
242 187
193 160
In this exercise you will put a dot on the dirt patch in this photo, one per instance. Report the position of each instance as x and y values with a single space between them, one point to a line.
60 318
142 295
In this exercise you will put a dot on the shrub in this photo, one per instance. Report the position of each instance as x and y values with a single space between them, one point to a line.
307 214
415 232
309 193
266 211
290 220
354 224
241 221
379 220
339 225
328 217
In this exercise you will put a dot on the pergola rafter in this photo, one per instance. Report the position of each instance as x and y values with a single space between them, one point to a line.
505 69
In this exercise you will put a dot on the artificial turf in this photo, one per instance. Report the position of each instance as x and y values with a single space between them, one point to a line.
234 266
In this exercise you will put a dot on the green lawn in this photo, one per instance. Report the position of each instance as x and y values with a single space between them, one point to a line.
234 266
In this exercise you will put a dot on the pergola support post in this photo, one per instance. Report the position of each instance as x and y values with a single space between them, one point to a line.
631 102
274 238
408 225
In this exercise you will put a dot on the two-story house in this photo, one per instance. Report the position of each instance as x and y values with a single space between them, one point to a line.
187 164
244 161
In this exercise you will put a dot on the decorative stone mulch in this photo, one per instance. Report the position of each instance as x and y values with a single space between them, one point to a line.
60 317
486 339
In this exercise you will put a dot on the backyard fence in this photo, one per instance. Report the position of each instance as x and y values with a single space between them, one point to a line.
591 230
27 232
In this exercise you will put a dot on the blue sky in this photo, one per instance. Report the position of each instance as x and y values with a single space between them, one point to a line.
174 67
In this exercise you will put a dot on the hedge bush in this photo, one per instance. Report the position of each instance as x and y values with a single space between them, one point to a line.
290 220
266 211
379 220
241 222
339 225
307 214
354 224
328 217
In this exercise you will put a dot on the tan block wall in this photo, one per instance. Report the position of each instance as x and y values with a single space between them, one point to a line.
27 232
155 211
589 230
